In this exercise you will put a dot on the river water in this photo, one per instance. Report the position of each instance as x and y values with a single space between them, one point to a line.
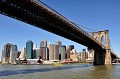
68 71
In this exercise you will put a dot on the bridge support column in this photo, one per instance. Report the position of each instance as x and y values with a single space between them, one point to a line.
99 57
102 57
108 50
107 57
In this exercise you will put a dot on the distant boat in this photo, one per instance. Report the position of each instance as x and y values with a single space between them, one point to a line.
57 64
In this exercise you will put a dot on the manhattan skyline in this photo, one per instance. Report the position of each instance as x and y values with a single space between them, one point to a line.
98 15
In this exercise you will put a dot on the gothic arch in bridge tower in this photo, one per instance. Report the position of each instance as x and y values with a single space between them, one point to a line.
102 37
103 41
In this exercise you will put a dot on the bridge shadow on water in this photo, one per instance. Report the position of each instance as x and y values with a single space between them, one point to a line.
27 71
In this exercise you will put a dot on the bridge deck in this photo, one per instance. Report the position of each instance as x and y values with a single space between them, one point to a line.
44 17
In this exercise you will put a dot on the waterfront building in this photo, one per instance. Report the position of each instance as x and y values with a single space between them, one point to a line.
13 53
29 49
6 53
9 53
23 53
68 52
16 54
53 52
78 56
56 52
44 49
59 43
73 55
68 49
63 53
91 54
36 53
84 55
43 53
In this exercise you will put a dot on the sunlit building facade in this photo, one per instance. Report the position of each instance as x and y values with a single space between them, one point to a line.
23 53
53 52
63 52
44 50
8 53
13 53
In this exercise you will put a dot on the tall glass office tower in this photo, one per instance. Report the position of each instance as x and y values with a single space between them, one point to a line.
29 49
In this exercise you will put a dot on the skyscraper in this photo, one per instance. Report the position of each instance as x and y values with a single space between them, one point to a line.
12 53
53 52
45 45
43 53
56 52
44 49
34 46
84 54
59 43
63 52
29 49
68 52
23 53
36 53
73 55
8 53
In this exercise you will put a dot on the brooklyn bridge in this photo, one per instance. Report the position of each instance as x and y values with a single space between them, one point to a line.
42 16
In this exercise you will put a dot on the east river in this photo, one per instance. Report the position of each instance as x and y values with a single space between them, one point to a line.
66 71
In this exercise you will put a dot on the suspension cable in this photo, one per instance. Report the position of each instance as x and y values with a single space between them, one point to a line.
111 45
86 27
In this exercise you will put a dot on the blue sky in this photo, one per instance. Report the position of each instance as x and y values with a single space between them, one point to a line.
94 14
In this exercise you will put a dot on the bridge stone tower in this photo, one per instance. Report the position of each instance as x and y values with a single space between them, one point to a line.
102 56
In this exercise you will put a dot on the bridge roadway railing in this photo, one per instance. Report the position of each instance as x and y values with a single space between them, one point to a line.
66 20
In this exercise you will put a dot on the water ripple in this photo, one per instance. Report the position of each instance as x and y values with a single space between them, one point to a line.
27 71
